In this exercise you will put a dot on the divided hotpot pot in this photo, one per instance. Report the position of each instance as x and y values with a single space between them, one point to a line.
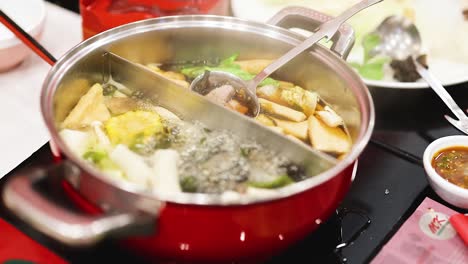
195 227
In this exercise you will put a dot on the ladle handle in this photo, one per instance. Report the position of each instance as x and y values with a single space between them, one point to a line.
327 29
26 38
20 196
435 84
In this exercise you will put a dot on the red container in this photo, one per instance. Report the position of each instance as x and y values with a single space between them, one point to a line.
101 15
252 233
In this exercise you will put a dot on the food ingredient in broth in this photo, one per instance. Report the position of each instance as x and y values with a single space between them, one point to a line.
287 108
130 139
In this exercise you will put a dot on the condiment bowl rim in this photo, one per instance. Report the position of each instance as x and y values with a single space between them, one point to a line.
431 150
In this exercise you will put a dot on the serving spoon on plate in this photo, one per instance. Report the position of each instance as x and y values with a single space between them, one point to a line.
246 90
400 39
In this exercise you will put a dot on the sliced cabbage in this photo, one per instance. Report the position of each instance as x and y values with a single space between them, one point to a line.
77 141
165 178
132 164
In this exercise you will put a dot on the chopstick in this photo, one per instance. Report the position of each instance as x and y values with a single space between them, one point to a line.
398 152
26 38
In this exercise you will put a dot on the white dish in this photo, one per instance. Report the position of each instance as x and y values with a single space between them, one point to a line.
30 16
448 191
440 22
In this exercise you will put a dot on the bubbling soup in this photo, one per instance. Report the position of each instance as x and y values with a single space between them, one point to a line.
130 139
285 107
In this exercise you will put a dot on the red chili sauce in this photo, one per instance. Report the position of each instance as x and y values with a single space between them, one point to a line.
452 164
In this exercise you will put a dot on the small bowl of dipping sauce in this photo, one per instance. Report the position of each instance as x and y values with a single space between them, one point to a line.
446 164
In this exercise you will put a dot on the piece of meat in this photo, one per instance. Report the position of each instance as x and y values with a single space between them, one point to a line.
237 106
222 94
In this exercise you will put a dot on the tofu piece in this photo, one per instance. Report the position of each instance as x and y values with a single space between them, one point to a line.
135 168
265 120
330 117
295 138
297 129
290 96
309 102
281 111
176 77
278 130
253 66
89 108
270 92
67 96
328 139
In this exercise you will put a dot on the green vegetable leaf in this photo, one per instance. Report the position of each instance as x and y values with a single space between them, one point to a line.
245 151
229 61
189 184
370 42
374 68
100 158
226 65
379 60
280 181
95 156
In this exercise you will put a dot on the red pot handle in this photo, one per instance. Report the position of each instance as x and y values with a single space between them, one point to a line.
308 19
62 224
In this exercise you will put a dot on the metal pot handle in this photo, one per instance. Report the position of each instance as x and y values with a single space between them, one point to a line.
308 19
62 224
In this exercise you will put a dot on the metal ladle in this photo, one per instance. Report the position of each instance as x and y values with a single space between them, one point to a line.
400 39
247 89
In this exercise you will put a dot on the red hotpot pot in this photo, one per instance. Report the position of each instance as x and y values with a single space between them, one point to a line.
195 227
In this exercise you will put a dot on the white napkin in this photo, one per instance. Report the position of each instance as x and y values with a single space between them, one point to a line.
22 129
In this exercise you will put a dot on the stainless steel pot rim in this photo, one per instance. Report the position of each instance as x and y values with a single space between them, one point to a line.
98 41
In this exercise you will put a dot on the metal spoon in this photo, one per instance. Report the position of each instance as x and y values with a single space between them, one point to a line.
400 39
247 89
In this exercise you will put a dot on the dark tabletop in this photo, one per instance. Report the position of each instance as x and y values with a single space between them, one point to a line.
389 185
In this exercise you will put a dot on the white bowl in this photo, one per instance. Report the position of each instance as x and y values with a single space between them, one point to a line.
30 16
448 191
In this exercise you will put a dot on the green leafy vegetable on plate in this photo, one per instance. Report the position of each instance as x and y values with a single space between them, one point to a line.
373 65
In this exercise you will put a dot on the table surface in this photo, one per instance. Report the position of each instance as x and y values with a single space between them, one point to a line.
388 187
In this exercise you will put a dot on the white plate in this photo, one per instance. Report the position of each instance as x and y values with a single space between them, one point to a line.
443 30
